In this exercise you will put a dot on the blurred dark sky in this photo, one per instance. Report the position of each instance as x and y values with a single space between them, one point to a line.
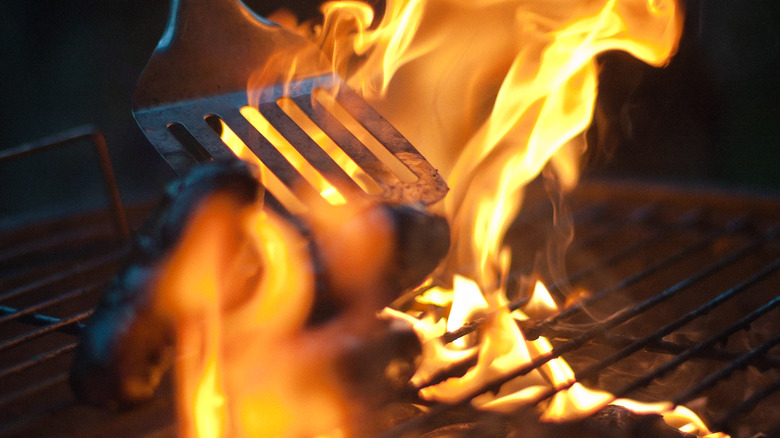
712 116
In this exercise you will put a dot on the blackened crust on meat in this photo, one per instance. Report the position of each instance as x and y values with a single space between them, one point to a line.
422 240
162 231
127 347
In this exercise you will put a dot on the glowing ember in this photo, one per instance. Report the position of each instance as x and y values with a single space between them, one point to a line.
491 92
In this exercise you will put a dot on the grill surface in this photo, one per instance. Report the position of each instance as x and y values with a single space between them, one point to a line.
679 291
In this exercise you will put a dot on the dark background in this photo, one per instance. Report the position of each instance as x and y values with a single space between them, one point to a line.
712 117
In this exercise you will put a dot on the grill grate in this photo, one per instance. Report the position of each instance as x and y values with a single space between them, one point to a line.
52 271
679 302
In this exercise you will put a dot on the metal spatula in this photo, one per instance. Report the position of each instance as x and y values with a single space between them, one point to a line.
200 70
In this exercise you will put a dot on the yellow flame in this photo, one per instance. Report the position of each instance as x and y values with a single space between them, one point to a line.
309 173
209 403
436 295
503 349
467 300
490 91
238 289
269 180
679 417
541 303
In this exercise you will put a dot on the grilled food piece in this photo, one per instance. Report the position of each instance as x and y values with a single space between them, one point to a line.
128 344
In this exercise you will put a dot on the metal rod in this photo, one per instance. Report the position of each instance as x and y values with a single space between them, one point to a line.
617 342
690 353
80 268
51 142
112 189
746 406
71 136
86 234
667 329
642 213
723 372
39 386
591 212
732 227
29 315
687 220
616 319
74 322
38 359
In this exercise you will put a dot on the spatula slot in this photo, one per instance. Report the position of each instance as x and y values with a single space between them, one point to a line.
280 191
368 140
192 146
327 190
321 151
344 161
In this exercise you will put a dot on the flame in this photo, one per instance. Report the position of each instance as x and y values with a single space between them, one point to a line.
269 180
238 287
309 173
541 303
503 349
491 92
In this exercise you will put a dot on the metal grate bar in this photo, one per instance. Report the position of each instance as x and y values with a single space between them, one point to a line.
618 341
715 377
732 227
99 142
642 215
686 221
32 389
79 269
38 359
690 353
746 406
73 323
29 315
613 321
48 242
595 369
618 318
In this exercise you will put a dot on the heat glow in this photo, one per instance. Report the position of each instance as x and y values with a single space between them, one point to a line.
490 92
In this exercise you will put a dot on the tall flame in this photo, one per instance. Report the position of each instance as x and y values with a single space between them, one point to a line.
491 92
238 289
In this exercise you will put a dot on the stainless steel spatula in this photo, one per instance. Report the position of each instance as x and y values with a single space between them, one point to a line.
204 67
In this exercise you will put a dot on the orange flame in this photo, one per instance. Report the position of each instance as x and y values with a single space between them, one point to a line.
238 289
490 91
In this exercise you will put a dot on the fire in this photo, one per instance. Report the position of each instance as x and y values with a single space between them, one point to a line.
309 173
503 349
491 92
239 288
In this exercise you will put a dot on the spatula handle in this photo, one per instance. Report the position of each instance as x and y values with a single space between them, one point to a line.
213 47
207 17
